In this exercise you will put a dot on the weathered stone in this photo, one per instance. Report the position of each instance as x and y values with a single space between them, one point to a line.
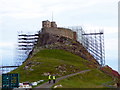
46 74
31 69
26 67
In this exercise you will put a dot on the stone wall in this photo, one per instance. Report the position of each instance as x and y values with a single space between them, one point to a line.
51 28
61 32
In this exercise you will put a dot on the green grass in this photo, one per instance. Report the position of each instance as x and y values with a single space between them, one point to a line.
49 60
91 79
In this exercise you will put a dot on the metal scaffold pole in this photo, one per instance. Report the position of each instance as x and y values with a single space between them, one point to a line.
95 45
26 43
93 42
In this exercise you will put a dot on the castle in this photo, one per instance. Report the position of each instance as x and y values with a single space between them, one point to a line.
51 34
51 28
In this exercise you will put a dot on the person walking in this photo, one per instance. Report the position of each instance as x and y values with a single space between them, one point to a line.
49 78
54 78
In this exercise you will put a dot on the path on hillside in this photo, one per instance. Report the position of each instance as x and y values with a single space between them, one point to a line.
109 84
47 85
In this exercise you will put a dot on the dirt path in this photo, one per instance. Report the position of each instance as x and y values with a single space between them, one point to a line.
47 85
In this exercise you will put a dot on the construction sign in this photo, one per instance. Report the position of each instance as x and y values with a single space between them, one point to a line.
10 80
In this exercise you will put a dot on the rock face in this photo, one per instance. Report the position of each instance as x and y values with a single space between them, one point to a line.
30 64
50 41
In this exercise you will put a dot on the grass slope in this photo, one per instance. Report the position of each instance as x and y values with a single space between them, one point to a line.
92 79
49 59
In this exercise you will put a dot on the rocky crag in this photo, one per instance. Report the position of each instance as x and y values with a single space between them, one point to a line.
50 41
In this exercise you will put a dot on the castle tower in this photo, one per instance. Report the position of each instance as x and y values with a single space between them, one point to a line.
51 28
46 24
53 24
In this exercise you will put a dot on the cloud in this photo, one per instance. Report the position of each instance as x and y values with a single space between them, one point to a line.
110 30
94 28
23 15
39 8
7 48
6 44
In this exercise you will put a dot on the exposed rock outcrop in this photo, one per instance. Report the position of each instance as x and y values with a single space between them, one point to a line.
50 41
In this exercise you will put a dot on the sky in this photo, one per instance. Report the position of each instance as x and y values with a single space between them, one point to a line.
27 15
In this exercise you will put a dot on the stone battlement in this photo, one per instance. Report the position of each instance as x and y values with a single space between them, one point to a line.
51 28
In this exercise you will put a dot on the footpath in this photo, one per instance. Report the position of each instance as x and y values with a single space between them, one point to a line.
47 85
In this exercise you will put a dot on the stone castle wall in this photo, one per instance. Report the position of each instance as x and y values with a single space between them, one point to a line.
51 27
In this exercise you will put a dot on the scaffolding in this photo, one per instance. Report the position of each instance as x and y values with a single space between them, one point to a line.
93 42
26 43
7 68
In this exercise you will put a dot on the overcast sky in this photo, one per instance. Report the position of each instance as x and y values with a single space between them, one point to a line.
26 16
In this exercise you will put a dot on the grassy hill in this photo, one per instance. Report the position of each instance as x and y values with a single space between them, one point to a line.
52 61
62 56
91 79
60 62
